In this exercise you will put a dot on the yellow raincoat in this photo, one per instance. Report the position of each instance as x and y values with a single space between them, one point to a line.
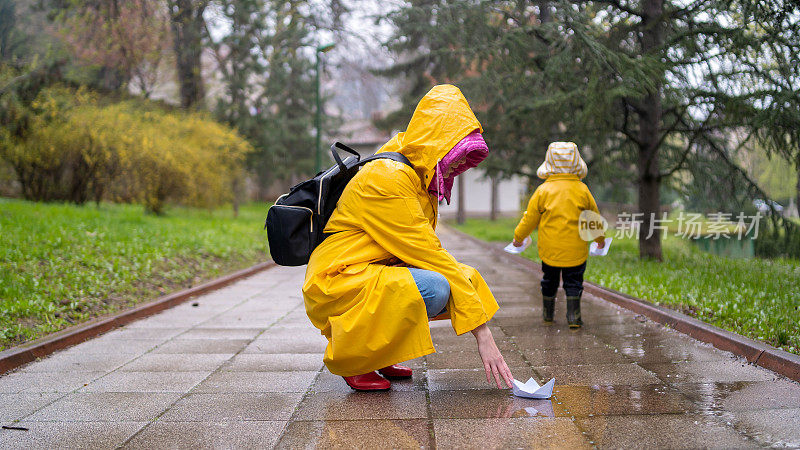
556 205
372 314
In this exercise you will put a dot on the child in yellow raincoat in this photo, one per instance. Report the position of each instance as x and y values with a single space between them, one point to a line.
554 209
373 284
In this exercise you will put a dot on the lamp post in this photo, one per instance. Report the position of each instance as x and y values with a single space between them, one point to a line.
318 156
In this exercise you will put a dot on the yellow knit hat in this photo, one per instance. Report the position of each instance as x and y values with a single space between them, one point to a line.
562 157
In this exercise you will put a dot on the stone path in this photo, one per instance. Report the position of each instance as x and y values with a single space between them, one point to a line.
244 368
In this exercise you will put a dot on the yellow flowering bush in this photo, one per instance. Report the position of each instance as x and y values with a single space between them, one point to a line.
80 147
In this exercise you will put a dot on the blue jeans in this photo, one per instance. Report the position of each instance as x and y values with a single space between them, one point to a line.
434 288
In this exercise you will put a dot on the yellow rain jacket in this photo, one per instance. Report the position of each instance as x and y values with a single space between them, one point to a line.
555 208
372 314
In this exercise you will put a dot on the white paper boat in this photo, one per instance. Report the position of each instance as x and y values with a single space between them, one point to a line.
594 251
531 389
517 250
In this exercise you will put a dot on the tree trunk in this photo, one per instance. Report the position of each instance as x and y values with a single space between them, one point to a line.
461 209
544 11
186 17
237 195
495 207
650 112
797 199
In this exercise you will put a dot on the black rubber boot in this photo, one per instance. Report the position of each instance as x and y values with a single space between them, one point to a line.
548 308
574 312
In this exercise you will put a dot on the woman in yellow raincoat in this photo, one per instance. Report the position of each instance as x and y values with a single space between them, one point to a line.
363 283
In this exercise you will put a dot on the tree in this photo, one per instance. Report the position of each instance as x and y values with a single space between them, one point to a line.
126 39
9 37
266 66
187 24
650 89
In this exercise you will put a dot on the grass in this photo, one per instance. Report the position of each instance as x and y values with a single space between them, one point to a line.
63 264
757 298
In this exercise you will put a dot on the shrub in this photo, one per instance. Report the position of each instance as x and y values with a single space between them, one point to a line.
778 238
80 147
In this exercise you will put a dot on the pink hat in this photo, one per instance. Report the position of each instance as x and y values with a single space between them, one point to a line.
466 154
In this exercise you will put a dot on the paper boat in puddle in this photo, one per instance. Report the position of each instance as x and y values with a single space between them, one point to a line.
531 389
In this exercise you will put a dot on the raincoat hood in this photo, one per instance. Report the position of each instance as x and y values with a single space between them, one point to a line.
441 120
563 158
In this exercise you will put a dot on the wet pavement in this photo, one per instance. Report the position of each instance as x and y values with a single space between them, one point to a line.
244 369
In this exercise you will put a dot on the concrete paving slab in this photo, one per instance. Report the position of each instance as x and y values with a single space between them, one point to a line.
146 382
105 407
265 319
574 356
468 359
714 371
396 434
143 333
71 361
32 382
681 352
105 345
508 433
489 403
208 435
460 379
590 401
548 342
357 406
233 407
742 395
247 322
16 406
599 374
222 333
222 382
673 431
168 322
274 362
271 345
194 362
50 435
467 344
304 334
189 346
776 428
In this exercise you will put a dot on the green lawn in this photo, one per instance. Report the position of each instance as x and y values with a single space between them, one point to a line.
757 298
63 264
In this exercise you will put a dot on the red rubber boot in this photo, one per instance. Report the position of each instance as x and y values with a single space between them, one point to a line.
396 371
368 382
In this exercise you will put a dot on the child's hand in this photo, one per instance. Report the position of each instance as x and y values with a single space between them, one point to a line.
517 243
601 242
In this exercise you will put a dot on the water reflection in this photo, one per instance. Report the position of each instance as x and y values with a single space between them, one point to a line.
542 409
392 433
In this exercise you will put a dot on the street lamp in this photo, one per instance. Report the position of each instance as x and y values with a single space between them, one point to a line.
317 157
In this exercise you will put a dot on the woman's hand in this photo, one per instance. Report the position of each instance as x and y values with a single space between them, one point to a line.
493 361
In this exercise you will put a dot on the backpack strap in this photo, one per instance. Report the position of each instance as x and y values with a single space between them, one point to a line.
394 156
338 158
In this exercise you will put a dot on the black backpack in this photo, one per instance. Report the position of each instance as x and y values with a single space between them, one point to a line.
296 220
